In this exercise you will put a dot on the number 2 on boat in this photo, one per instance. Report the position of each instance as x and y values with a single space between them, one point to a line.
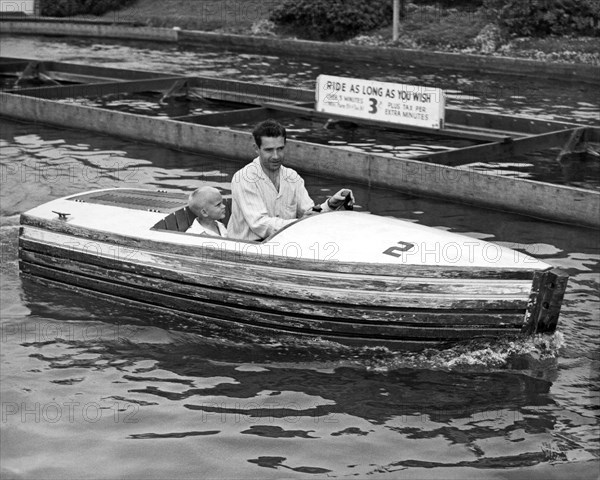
397 250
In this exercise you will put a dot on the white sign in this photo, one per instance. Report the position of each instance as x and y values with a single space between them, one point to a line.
383 101
15 6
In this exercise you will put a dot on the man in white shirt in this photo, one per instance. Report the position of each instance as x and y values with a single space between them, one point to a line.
268 196
207 204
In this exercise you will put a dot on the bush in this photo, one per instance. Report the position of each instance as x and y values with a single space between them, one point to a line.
446 29
334 19
60 8
551 17
450 3
492 8
67 8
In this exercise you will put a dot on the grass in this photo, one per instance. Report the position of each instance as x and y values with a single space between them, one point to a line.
233 16
424 27
472 31
435 27
554 49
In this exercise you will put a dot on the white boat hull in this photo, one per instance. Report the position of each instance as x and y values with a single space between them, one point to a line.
344 275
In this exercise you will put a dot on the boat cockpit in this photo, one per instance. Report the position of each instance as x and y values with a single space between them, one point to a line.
178 221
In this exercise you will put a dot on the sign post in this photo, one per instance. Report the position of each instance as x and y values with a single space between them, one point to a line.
396 21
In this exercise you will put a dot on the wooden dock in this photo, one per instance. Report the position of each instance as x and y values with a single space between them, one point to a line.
444 175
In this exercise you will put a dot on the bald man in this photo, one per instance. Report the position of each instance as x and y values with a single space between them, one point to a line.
207 204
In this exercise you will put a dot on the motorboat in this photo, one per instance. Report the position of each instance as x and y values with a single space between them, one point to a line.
344 276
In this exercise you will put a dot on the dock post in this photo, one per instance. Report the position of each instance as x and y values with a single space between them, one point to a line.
396 21
574 145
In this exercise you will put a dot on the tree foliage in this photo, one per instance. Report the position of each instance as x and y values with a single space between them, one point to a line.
538 18
67 8
450 3
333 19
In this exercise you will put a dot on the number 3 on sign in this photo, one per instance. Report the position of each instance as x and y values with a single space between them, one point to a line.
397 250
373 105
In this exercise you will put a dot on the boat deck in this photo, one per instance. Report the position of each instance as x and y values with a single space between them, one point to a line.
147 200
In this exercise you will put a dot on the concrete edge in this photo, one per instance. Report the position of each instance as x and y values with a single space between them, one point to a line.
95 29
353 53
310 49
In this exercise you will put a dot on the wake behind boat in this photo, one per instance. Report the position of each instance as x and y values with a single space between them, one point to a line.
343 276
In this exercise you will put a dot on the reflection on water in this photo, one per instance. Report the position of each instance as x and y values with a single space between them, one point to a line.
157 385
152 104
543 166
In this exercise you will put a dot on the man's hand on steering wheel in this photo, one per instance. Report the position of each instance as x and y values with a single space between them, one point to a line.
343 198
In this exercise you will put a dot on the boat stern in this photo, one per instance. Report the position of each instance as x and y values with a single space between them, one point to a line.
545 301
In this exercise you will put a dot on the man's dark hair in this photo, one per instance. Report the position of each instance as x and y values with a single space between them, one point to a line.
268 128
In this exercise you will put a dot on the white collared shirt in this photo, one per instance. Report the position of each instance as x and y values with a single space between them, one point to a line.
197 228
258 210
